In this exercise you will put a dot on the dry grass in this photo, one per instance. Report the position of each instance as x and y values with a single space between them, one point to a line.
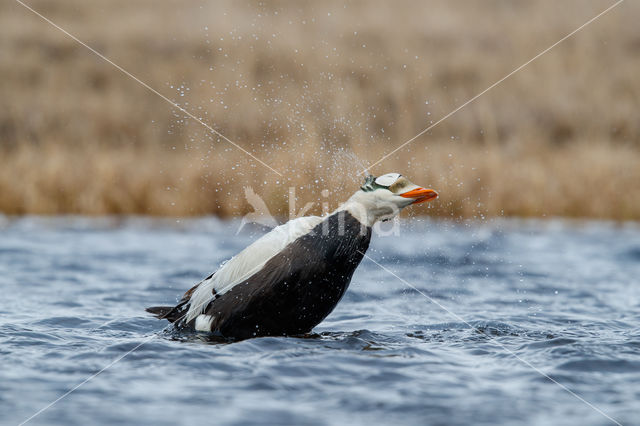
315 90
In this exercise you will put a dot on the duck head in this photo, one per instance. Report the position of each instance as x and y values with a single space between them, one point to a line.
384 197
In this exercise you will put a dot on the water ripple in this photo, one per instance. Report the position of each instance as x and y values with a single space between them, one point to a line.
559 297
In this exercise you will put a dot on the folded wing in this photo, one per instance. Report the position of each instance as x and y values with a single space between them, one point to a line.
246 263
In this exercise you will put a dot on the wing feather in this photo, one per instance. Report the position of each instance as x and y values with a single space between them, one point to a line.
248 262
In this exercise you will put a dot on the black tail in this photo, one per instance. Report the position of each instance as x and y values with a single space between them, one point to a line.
163 312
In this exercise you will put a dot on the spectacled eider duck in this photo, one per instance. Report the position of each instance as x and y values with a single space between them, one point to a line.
290 279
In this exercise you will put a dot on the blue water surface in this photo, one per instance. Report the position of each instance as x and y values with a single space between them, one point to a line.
500 322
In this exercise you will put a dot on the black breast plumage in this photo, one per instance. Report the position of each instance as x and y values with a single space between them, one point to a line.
297 288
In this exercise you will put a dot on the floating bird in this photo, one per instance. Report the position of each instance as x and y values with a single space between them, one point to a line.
290 279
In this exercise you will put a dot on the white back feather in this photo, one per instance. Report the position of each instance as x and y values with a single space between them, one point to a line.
249 261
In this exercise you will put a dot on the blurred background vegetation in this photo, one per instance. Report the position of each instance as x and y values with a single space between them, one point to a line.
318 90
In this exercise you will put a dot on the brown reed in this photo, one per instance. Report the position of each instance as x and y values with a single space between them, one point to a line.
318 90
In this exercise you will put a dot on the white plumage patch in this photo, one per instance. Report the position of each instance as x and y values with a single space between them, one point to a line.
388 179
248 262
203 322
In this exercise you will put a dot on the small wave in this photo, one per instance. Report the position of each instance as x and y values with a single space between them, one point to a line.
600 365
632 254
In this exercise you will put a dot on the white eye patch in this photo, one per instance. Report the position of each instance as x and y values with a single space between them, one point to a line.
388 179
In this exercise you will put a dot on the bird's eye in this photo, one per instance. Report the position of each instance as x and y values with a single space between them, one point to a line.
399 184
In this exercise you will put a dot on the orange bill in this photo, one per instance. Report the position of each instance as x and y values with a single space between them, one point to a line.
421 195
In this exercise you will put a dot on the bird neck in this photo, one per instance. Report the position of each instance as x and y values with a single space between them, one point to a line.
366 209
